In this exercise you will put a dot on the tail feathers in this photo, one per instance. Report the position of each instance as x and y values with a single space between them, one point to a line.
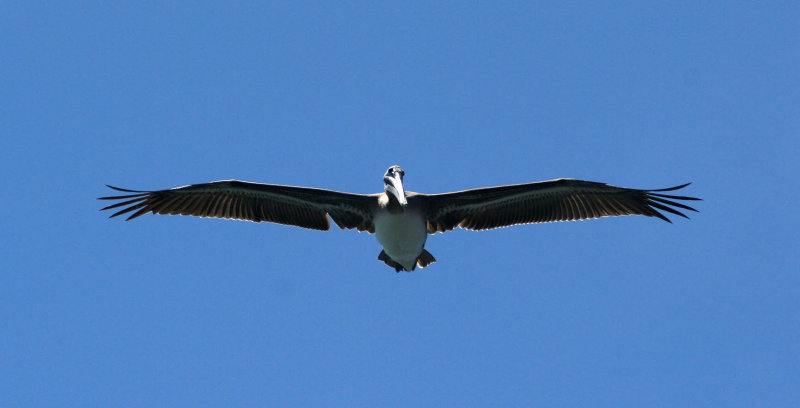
424 259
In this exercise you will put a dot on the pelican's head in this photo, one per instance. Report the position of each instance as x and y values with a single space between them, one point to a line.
393 184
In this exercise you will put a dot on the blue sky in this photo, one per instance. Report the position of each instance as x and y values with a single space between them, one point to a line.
179 311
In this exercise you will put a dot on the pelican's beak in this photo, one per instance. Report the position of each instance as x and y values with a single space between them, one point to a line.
394 186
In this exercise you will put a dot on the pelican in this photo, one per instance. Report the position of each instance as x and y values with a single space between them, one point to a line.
400 219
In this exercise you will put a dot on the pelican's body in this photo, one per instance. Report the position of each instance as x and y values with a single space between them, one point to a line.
402 235
402 220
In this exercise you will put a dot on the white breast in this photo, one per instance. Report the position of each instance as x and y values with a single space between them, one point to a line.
402 235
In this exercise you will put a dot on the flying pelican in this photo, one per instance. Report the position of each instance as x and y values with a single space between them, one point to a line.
401 219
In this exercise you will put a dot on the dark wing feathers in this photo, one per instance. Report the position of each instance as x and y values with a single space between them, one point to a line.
546 201
240 200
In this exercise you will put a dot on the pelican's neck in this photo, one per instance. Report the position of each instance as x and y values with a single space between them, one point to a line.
390 203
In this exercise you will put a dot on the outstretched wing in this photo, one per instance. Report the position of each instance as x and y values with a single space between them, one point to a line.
546 201
241 200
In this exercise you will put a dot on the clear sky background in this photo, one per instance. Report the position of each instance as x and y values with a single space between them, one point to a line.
188 312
